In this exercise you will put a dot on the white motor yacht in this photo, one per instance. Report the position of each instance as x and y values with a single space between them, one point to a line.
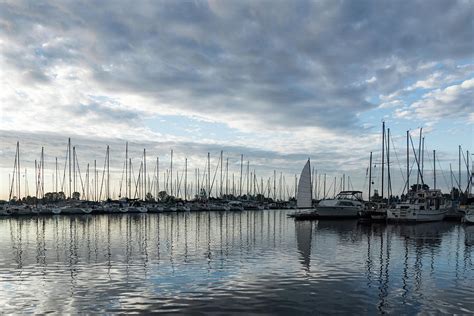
423 206
347 204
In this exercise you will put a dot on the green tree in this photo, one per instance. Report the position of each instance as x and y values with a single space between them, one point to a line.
76 196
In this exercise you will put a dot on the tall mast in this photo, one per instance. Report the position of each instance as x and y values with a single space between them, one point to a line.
324 197
73 169
95 180
42 170
18 170
171 173
56 174
422 156
157 177
227 177
144 174
186 179
274 185
129 178
459 168
69 156
370 175
36 176
87 182
248 165
126 170
419 156
241 171
434 169
108 172
383 157
408 161
389 178
208 175
452 184
221 174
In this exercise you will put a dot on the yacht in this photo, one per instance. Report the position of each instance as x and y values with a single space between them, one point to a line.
468 211
346 204
422 206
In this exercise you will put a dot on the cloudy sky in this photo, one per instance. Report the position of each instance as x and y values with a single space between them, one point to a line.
277 81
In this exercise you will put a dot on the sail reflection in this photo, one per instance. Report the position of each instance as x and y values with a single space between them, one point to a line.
147 262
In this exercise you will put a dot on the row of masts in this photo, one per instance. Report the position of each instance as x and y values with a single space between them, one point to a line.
419 158
217 181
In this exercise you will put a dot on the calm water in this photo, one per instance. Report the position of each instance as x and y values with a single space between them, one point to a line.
260 262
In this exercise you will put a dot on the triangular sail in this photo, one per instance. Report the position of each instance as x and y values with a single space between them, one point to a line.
304 196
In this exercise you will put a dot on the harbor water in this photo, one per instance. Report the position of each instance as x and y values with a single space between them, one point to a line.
233 262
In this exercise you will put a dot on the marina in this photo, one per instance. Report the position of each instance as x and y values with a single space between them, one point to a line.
199 261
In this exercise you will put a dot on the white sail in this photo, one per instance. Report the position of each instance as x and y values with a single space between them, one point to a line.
304 196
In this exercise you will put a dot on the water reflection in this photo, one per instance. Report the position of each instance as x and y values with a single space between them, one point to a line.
232 262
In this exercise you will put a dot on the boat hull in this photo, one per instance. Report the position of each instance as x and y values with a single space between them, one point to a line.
337 212
412 215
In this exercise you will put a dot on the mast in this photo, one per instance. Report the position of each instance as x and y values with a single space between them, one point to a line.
248 166
434 169
129 178
186 179
241 171
383 157
95 180
144 174
157 177
324 186
42 170
389 178
274 185
69 156
408 161
126 170
227 176
208 175
108 173
56 174
73 169
221 175
370 175
171 173
422 156
452 184
419 156
459 168
18 170
87 183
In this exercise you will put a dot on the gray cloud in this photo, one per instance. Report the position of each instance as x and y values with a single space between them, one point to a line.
287 63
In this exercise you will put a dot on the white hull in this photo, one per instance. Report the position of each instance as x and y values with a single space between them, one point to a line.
413 215
469 217
337 211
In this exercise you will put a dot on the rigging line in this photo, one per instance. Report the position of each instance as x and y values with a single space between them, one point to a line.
103 176
215 173
64 173
417 162
138 180
409 174
13 177
398 160
121 179
80 176
442 172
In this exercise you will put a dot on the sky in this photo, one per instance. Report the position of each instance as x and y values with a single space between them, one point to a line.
276 81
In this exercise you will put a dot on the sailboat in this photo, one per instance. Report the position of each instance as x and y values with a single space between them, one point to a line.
304 198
